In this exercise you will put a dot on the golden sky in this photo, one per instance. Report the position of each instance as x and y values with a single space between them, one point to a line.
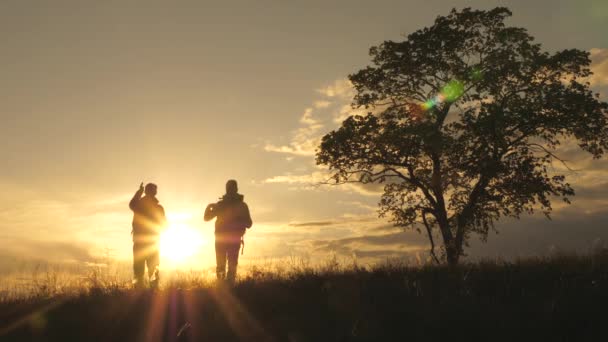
95 98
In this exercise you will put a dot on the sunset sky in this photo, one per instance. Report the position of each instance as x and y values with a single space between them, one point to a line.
98 97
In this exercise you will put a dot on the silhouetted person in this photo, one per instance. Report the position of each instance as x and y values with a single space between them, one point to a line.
148 221
232 220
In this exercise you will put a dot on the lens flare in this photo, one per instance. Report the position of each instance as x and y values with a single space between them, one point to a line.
476 74
450 93
453 90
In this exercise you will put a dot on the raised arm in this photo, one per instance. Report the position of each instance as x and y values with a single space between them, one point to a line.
136 197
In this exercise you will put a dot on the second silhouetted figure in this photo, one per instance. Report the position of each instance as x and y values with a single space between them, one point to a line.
233 219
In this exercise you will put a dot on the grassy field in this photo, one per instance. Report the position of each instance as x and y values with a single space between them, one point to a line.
563 298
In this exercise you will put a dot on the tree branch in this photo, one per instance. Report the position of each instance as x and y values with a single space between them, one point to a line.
553 155
428 230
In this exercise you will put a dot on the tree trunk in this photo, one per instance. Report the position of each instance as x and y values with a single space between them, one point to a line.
449 242
452 254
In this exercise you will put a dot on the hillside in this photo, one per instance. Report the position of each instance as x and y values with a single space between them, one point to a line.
562 298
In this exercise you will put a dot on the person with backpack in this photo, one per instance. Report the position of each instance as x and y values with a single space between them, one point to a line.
148 222
233 219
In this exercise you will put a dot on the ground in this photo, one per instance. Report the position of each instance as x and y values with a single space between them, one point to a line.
562 298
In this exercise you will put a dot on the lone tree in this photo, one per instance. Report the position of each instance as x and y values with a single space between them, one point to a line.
463 127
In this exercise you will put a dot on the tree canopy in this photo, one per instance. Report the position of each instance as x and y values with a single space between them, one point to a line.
465 119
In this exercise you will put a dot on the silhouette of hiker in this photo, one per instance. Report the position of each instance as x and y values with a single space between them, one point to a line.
232 220
148 221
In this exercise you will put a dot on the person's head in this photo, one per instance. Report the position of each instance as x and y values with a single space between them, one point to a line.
231 187
150 189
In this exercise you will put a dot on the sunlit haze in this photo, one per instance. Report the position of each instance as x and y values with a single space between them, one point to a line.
99 97
182 244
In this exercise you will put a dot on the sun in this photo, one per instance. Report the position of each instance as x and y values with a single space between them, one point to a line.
179 243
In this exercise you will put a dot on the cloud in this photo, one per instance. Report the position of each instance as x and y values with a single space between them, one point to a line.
371 189
374 248
347 220
370 240
47 250
319 240
574 227
586 175
571 230
342 88
308 120
359 205
322 104
599 67
304 140
321 181
342 92
312 224
398 239
324 114
308 180
347 110
56 228
295 149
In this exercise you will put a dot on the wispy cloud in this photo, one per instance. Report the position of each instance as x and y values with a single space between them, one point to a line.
306 180
374 248
71 228
305 139
47 250
321 181
326 113
570 230
341 88
323 115
599 66
312 224
365 237
322 104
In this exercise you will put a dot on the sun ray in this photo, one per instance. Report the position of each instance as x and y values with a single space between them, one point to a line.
155 322
242 322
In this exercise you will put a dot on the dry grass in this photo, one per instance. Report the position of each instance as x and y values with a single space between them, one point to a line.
47 280
562 297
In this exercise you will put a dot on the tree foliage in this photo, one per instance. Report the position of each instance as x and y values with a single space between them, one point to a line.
464 126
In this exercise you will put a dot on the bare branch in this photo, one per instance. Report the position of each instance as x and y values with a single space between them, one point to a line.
553 155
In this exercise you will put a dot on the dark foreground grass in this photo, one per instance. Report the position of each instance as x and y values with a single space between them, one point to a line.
558 299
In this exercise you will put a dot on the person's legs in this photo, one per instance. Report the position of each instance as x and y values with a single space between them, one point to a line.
233 260
220 258
139 264
153 261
